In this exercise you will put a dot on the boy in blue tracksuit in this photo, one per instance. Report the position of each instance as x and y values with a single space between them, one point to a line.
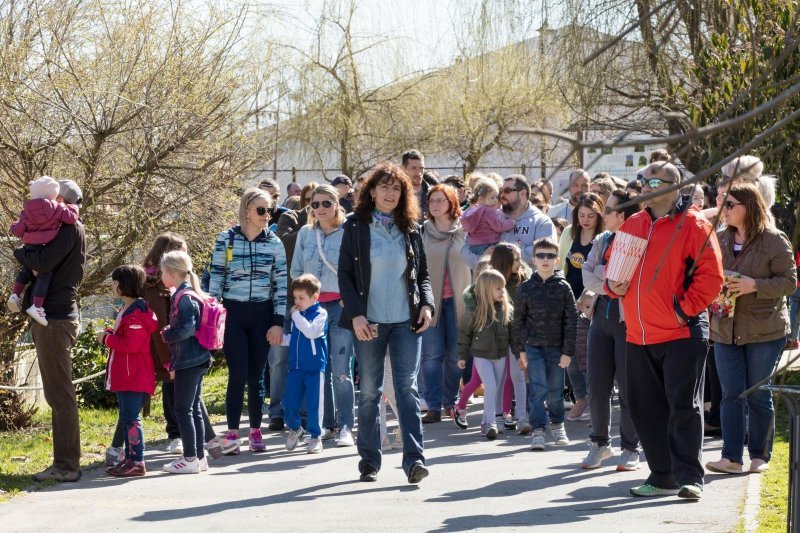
308 351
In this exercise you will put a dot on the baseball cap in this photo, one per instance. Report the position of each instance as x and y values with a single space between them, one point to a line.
70 192
341 179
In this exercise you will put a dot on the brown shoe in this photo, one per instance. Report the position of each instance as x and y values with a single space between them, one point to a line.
432 416
57 474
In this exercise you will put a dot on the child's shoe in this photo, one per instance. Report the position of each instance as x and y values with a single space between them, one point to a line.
182 466
175 446
111 470
559 434
314 446
508 422
295 435
114 456
230 444
489 431
14 303
524 427
460 418
538 439
37 313
327 434
129 469
257 441
345 437
204 464
499 423
214 447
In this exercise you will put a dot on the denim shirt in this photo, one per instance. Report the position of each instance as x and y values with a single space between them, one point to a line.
306 259
184 349
387 256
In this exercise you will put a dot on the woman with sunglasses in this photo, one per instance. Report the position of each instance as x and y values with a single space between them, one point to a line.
606 348
317 252
749 338
248 274
442 239
576 242
388 302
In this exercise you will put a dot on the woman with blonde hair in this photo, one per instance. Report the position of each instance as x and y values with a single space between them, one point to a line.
317 252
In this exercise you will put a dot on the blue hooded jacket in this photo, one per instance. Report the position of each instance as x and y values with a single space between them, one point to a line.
308 345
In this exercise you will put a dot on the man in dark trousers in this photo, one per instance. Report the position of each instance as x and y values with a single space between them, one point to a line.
65 257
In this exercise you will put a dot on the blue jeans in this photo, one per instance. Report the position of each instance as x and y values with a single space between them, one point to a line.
404 347
577 378
546 385
439 360
130 407
739 368
278 361
339 372
188 391
794 299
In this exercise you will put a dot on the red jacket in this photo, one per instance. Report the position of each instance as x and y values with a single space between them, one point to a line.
662 288
130 365
41 218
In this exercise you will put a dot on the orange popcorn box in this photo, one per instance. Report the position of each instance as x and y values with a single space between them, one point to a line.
625 256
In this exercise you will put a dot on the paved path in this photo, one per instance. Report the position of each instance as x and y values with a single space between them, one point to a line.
474 484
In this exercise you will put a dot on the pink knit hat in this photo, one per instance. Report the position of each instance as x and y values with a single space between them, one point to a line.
44 187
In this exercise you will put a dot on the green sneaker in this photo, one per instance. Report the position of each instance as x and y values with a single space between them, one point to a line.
691 492
648 491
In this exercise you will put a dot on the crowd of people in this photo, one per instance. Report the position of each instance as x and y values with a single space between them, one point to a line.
422 290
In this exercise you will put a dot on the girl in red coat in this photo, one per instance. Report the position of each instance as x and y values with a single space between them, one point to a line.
130 372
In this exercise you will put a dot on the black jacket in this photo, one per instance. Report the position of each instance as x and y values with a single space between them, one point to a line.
544 314
65 257
355 271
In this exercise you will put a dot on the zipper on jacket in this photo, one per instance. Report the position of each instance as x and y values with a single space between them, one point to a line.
639 284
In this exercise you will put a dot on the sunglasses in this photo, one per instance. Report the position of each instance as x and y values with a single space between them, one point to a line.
653 183
261 211
509 190
544 255
327 204
730 205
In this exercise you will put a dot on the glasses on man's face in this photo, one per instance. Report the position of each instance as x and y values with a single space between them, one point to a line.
730 205
261 211
327 204
509 190
437 201
545 255
653 183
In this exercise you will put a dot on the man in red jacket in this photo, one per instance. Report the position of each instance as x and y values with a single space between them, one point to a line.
665 305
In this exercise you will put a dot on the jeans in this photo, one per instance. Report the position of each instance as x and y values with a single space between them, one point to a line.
493 375
404 345
304 385
278 369
546 385
439 360
130 408
188 391
339 371
794 300
246 351
739 368
577 379
168 403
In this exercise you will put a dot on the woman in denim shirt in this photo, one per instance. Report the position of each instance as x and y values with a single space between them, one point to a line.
316 252
388 302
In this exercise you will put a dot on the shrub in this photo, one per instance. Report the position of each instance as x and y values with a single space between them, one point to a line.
15 414
89 357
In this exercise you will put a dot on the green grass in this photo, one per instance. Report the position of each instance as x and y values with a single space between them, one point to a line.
28 451
775 482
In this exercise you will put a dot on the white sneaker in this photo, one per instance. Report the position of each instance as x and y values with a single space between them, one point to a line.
345 437
175 446
114 455
182 466
37 313
559 434
14 303
294 438
327 434
314 446
204 464
597 454
499 421
537 443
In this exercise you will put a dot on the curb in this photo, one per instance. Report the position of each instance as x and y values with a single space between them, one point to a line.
752 502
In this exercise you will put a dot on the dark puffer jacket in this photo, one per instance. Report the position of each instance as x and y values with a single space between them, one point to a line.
544 315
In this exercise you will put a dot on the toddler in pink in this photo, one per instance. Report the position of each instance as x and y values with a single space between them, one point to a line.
483 223
38 224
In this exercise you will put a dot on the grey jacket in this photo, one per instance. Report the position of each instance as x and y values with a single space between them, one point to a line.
594 268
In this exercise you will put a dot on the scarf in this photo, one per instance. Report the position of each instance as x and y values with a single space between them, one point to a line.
387 219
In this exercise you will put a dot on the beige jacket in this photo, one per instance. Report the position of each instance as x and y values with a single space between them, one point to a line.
760 316
443 251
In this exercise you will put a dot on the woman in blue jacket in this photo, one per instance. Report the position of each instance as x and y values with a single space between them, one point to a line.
248 274
388 302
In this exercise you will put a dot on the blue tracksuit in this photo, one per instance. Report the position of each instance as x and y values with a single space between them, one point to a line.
308 351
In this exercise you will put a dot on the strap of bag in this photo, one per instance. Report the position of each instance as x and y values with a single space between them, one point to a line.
322 254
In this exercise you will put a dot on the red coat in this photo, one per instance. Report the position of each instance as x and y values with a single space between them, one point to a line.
41 219
130 365
661 289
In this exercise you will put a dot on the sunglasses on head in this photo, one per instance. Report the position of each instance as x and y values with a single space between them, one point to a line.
730 205
545 255
327 204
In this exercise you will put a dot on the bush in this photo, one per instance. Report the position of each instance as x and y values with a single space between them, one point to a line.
15 414
89 357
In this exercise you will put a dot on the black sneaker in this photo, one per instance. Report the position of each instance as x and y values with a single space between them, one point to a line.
276 424
418 473
368 473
